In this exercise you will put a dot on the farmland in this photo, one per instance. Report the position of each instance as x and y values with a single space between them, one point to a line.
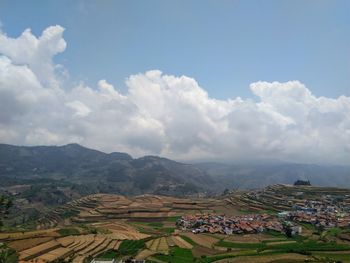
145 227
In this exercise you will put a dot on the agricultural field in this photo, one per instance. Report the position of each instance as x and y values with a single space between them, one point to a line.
111 226
103 207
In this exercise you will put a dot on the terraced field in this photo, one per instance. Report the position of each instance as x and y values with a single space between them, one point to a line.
143 227
50 246
158 245
76 248
104 207
281 197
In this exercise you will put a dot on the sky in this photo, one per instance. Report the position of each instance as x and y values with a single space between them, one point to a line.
189 80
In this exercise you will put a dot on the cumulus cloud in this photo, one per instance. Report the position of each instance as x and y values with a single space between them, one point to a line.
163 114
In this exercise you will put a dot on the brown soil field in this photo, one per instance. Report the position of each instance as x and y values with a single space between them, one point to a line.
181 242
55 254
113 244
66 241
120 230
148 219
199 251
38 250
290 257
77 240
24 244
85 241
249 238
149 215
87 245
169 224
29 234
149 243
170 241
163 245
201 239
78 259
144 254
226 209
102 247
97 241
154 244
101 207
117 245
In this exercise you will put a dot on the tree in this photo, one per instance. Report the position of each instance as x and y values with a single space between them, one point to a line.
301 182
226 191
5 205
7 255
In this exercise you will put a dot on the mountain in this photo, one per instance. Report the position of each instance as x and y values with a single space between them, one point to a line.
101 172
247 176
42 177
88 171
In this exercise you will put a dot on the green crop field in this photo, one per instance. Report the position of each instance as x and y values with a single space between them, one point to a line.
177 255
131 247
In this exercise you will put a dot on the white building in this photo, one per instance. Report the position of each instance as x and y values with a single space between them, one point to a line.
97 260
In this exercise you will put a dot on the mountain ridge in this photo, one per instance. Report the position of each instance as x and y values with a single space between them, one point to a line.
124 174
120 171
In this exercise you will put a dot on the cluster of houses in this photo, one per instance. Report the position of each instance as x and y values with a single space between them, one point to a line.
101 260
322 207
321 214
228 225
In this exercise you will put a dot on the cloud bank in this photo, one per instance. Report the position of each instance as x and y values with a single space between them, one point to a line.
163 114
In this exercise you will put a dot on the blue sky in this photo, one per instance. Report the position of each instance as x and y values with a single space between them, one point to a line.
224 45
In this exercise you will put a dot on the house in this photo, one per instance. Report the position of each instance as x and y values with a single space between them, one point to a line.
101 260
296 230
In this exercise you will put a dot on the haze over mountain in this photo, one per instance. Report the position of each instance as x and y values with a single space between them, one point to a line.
120 173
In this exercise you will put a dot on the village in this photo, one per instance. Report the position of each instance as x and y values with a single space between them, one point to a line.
288 214
320 214
255 223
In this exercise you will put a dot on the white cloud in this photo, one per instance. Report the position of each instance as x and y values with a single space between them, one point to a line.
81 110
37 53
163 114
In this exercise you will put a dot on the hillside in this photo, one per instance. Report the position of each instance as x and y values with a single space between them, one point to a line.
248 176
87 171
279 223
100 172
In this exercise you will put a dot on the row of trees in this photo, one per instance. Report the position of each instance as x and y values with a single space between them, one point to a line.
5 205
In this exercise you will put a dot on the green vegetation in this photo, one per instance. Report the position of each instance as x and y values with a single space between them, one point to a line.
182 255
5 205
300 246
131 247
308 226
177 255
109 254
332 232
69 213
311 245
86 229
167 230
227 244
214 258
172 218
189 240
328 257
155 227
155 224
8 255
275 233
68 231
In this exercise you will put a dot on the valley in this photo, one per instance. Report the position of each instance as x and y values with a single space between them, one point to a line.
239 226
